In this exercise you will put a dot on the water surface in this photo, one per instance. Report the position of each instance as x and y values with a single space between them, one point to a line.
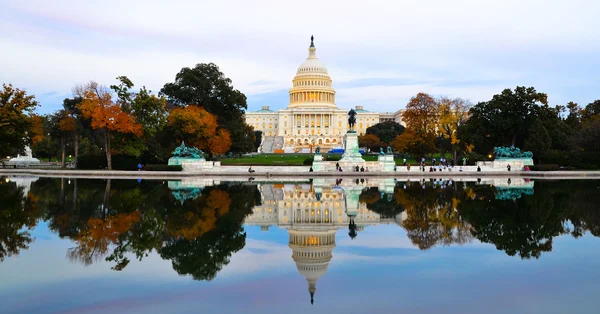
320 246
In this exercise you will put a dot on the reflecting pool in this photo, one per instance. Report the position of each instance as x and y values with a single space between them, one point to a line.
313 246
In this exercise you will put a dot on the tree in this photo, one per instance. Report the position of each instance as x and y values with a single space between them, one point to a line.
206 86
504 120
197 127
82 126
421 114
16 122
588 137
65 129
574 118
452 114
106 116
150 111
416 144
257 139
592 109
538 141
369 140
386 131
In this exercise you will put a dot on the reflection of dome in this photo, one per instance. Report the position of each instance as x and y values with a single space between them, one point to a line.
312 84
311 250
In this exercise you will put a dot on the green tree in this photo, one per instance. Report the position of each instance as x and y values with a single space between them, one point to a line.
588 138
386 131
504 120
538 141
592 109
574 118
16 124
257 139
206 86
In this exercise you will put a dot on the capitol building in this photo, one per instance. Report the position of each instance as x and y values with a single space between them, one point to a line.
312 117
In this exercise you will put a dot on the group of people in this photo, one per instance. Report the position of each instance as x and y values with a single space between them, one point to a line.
338 168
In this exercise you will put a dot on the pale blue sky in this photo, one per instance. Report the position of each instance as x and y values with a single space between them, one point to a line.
383 274
379 53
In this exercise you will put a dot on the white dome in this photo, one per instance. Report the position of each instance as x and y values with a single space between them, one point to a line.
312 65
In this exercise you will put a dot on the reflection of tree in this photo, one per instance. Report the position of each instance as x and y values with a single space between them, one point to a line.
16 212
523 226
431 216
93 242
205 254
380 203
112 221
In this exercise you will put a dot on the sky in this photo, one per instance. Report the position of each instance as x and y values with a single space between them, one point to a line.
379 53
380 271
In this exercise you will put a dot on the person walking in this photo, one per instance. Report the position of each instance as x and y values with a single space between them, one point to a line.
408 167
404 161
337 166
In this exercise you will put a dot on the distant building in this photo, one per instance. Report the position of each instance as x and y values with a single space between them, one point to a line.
312 117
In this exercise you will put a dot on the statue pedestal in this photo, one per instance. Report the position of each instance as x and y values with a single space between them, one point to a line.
386 163
351 156
515 163
318 164
193 164
26 160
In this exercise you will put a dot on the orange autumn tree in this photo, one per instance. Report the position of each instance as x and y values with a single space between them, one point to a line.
105 115
93 241
66 127
198 128
202 218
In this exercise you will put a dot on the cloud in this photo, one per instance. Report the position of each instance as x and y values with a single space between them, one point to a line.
437 47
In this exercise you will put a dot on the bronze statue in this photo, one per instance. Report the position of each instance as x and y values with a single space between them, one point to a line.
318 150
352 119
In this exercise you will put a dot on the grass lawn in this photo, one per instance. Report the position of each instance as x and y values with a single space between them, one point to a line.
291 160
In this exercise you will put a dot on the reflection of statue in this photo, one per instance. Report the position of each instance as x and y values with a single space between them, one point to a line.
381 151
389 150
318 150
189 152
511 152
352 119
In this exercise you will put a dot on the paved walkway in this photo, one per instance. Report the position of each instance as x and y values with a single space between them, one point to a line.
297 171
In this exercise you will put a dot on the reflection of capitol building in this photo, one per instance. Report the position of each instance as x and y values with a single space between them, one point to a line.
312 212
312 215
312 117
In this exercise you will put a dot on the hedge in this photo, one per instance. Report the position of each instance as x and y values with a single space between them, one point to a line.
571 159
335 157
308 161
161 168
545 167
95 162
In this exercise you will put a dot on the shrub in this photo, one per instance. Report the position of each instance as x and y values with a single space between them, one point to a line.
91 162
570 159
545 167
162 168
95 162
335 157
308 161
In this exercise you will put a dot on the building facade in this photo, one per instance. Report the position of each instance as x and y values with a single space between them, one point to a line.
312 117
